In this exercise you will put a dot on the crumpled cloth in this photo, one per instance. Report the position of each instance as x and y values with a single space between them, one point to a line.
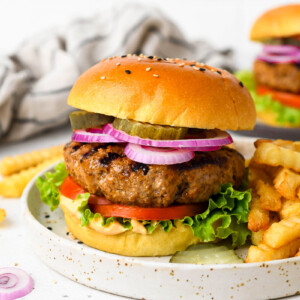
35 81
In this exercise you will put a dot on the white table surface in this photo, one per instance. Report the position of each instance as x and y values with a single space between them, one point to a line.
14 249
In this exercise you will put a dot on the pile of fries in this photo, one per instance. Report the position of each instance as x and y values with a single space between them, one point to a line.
274 219
17 171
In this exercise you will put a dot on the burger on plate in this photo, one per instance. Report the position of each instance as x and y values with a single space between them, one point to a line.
148 172
275 82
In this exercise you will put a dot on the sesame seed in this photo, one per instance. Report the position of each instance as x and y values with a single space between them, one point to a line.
50 228
241 84
181 65
141 55
129 55
110 58
219 72
148 69
202 69
123 56
67 233
118 64
192 65
127 71
151 57
165 59
47 216
196 68
139 59
159 59
103 77
79 242
201 64
184 58
155 75
155 57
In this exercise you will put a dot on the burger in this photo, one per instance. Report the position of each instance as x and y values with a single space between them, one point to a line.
148 172
275 82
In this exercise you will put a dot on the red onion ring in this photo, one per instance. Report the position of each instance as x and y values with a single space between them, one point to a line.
222 139
157 156
280 59
281 49
14 283
89 137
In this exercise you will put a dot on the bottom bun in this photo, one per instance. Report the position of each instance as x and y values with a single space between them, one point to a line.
159 243
269 118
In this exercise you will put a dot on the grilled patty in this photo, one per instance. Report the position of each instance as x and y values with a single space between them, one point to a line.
103 169
283 77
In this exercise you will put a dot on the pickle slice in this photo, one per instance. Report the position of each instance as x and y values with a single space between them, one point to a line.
81 119
150 131
206 254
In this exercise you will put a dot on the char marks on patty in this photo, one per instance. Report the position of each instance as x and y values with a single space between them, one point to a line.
103 169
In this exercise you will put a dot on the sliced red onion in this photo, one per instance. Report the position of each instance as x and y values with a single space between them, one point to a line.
14 283
223 138
157 156
88 137
279 59
281 49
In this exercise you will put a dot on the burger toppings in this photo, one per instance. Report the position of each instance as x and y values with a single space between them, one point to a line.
93 137
280 54
221 138
82 119
157 156
150 131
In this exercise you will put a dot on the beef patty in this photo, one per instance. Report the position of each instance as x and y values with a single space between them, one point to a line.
104 169
283 77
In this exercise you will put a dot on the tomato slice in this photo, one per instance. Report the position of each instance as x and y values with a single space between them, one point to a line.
106 208
288 99
70 189
155 213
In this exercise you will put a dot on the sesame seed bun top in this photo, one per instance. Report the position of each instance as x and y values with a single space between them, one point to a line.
168 92
283 21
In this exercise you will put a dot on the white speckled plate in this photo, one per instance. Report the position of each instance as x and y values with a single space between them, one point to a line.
152 278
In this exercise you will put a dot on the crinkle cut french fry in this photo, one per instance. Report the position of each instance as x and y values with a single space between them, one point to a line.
2 214
282 233
287 182
10 165
274 155
13 186
262 252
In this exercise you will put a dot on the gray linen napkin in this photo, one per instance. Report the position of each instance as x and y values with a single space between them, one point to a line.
35 81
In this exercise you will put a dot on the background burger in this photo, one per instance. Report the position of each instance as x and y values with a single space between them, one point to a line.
275 82
147 171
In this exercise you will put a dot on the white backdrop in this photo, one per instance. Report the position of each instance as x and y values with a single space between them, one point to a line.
225 23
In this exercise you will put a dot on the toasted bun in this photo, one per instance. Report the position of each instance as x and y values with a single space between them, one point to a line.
269 118
159 243
283 21
165 92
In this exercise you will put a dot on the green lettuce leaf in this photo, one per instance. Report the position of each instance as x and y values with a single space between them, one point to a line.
226 215
49 184
284 114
